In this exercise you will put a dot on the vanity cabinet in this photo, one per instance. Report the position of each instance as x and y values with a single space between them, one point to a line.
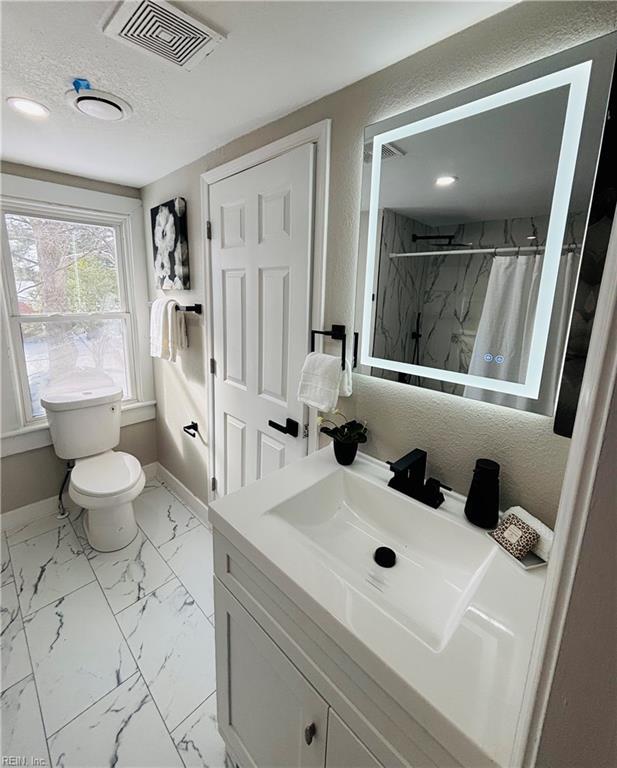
344 748
287 697
268 712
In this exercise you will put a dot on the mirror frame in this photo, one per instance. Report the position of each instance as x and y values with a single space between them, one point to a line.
587 70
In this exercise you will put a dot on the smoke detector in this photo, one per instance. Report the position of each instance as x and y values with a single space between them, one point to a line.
161 30
98 104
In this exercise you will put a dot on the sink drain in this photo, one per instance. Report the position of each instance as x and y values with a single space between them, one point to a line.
385 557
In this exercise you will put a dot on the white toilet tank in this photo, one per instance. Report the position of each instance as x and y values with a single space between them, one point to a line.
83 412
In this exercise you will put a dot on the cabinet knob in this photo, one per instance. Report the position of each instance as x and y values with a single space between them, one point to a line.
309 733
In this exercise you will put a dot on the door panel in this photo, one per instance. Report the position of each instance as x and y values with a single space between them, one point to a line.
271 455
273 332
264 703
234 319
262 221
235 453
232 225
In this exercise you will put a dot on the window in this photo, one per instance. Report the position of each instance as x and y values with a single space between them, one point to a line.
66 295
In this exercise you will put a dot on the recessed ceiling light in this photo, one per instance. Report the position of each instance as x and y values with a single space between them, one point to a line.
445 181
28 107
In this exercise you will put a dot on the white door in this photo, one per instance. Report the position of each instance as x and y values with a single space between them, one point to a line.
262 225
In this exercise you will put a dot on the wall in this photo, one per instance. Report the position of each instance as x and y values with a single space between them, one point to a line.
34 475
580 729
398 418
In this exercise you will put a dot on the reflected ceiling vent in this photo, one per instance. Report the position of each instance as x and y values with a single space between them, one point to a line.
160 29
387 151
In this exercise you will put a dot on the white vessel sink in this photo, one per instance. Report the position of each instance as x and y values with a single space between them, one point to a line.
447 631
345 517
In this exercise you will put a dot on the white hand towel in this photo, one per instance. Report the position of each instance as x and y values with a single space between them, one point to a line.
345 387
320 381
544 544
176 324
159 329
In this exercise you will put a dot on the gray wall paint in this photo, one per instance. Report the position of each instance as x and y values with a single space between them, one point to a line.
580 730
35 475
454 431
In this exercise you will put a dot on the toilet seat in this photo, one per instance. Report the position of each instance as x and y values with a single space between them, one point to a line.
113 477
106 485
106 474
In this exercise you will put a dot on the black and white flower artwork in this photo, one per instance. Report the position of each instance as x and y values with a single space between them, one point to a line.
170 245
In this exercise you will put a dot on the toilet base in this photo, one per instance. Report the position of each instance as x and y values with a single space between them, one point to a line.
110 528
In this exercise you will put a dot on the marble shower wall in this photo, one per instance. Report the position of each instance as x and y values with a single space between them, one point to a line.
448 290
399 290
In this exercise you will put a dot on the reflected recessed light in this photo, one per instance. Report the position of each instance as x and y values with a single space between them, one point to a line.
445 181
531 237
28 107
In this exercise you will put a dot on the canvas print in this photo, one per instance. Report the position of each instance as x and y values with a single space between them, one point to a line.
170 245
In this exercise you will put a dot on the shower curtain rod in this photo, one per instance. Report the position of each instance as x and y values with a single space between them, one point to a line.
503 251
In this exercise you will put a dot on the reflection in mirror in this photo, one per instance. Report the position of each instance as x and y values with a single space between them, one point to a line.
471 236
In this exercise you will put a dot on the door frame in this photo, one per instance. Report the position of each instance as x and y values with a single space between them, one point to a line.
574 504
319 135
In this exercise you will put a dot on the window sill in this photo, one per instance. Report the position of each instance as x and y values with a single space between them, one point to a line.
38 436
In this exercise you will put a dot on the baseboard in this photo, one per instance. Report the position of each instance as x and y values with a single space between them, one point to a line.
29 513
151 470
15 518
197 507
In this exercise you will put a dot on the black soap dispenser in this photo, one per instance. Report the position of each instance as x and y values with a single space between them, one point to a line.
482 505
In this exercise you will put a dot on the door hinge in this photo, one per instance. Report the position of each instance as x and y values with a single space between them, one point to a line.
305 431
213 484
213 366
209 230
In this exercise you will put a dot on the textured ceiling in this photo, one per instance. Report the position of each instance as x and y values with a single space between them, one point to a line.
277 57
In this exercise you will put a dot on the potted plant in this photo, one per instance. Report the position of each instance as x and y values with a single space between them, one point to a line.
346 436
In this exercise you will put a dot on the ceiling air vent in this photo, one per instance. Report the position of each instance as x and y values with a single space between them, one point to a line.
387 151
163 31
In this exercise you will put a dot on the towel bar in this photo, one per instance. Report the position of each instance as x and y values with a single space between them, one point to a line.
338 333
196 308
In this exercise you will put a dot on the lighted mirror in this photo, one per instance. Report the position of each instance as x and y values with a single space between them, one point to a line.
473 223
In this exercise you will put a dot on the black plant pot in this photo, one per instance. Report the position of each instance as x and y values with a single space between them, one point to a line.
345 452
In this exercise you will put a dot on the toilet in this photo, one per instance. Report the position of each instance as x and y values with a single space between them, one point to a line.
84 420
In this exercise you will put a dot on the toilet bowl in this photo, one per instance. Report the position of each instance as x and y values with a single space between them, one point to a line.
105 485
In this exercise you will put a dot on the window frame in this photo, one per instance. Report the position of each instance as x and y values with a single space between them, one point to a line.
16 321
35 197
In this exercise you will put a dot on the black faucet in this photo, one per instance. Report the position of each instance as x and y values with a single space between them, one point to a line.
409 478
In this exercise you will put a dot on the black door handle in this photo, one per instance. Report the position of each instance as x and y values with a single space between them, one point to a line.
290 428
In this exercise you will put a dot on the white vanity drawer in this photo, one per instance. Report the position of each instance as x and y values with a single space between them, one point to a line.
387 730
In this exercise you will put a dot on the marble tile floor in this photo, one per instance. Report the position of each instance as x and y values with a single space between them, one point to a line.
108 658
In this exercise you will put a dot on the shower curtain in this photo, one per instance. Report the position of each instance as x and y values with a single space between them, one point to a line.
506 324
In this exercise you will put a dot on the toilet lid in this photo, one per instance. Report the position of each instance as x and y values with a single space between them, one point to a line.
106 474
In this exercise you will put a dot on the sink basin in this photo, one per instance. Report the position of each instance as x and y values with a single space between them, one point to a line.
447 631
345 517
